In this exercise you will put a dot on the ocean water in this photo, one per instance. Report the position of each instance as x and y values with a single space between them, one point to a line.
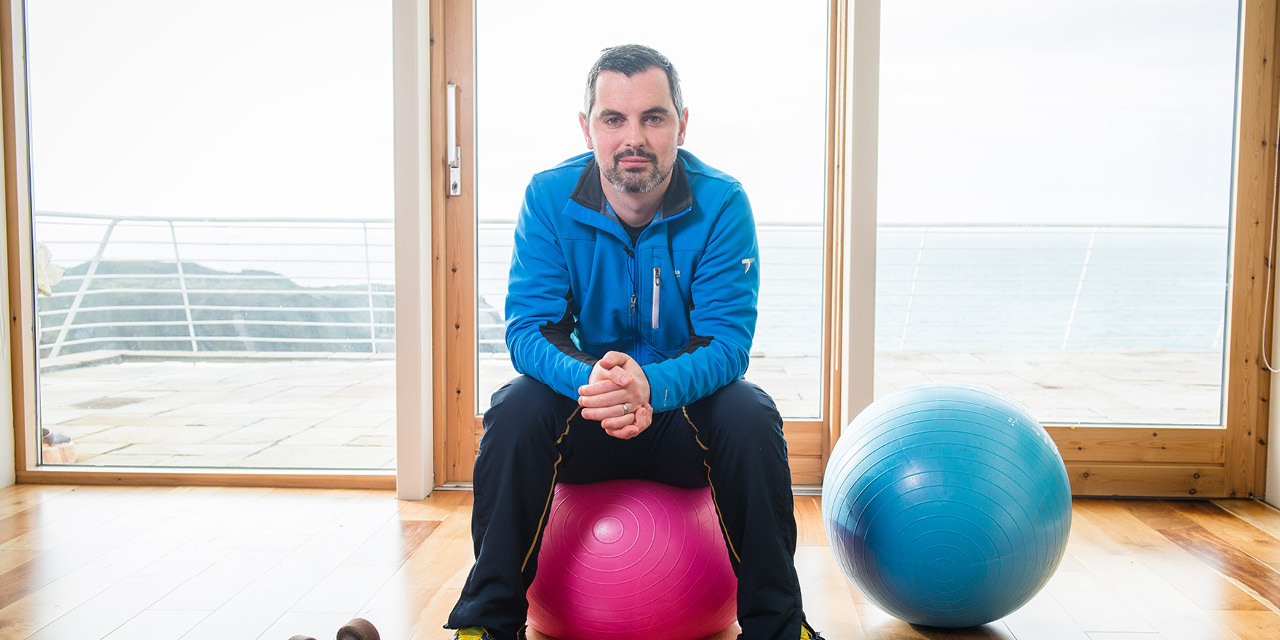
982 288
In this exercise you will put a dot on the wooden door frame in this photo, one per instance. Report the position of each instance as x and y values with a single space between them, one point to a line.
454 239
1227 461
1248 382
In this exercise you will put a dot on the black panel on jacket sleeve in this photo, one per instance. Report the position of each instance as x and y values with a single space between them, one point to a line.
560 335
696 342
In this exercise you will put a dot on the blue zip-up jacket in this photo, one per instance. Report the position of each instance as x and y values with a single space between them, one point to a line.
682 302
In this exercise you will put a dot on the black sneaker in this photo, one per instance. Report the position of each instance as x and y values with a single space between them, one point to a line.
807 632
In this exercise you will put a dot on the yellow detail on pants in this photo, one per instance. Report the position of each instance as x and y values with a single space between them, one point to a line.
714 499
550 494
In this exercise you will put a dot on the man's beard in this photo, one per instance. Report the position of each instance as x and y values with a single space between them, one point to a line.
636 181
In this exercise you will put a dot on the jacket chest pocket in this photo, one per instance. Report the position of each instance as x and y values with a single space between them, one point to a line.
665 289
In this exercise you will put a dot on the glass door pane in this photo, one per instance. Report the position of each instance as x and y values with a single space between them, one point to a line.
212 196
756 111
1054 202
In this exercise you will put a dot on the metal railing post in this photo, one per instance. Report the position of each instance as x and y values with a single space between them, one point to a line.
182 284
368 277
69 319
1075 302
911 297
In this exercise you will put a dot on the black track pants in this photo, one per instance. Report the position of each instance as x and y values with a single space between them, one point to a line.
535 437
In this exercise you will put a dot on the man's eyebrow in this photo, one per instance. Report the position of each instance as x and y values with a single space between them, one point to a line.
610 113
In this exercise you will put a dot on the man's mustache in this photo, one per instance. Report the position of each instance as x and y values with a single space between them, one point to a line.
631 153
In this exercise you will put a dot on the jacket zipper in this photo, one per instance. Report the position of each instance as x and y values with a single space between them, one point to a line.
631 257
657 288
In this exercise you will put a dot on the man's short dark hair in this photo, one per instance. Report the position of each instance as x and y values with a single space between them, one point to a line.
630 59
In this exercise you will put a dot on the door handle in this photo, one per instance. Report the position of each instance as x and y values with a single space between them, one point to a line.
455 151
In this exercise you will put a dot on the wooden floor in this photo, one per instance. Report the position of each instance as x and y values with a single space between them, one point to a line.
237 564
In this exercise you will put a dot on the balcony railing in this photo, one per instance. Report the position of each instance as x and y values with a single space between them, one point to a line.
173 284
326 285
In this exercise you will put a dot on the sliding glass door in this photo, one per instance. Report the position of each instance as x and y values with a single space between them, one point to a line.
759 113
1055 202
211 189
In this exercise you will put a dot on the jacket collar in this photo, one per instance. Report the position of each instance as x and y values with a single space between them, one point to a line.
678 197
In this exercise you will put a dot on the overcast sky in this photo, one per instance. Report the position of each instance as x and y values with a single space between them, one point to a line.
1096 111
991 111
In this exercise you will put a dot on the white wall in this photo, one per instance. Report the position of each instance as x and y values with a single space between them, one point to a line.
1272 495
414 386
7 452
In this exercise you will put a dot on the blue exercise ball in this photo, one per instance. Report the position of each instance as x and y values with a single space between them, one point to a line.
947 505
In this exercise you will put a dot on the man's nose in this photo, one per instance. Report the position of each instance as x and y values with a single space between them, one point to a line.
634 134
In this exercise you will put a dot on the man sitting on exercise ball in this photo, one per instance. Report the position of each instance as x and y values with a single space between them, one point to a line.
630 314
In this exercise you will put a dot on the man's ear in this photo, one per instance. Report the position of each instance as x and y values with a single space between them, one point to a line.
586 130
684 122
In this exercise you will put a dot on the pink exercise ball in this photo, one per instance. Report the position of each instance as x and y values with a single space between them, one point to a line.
628 559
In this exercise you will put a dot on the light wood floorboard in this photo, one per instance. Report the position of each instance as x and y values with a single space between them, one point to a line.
195 563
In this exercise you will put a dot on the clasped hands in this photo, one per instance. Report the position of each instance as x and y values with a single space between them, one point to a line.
617 395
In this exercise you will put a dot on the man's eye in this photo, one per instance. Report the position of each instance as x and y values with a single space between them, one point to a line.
654 119
612 121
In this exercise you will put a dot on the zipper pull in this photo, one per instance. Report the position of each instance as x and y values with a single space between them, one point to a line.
657 288
633 305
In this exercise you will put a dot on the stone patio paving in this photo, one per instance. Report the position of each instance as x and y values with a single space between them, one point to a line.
293 414
339 412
